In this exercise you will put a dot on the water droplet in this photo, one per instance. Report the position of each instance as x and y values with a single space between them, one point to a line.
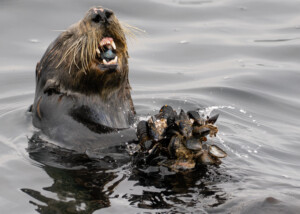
183 42
34 40
243 111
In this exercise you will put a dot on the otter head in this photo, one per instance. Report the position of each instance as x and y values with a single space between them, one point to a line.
90 56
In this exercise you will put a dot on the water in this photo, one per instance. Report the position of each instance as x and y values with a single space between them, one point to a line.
236 58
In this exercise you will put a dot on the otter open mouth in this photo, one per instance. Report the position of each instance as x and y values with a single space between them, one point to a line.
106 53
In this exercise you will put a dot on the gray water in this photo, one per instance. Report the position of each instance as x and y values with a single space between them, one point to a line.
239 58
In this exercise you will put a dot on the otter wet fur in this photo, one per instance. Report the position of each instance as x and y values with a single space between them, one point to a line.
82 86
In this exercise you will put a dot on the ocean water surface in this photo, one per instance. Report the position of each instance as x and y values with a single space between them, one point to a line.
238 58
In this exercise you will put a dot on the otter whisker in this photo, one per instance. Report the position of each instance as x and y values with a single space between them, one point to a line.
87 57
71 49
59 30
131 31
82 53
74 56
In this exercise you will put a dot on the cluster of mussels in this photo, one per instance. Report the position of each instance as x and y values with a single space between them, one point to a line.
176 140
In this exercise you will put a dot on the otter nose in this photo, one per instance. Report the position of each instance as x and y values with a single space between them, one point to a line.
101 15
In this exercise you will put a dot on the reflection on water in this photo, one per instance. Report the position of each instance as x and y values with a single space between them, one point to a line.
76 191
83 185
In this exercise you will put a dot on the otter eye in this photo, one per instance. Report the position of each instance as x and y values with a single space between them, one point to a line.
96 18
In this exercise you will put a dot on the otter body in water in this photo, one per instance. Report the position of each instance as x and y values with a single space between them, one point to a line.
82 86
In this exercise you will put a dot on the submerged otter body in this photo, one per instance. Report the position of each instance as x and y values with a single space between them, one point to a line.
82 86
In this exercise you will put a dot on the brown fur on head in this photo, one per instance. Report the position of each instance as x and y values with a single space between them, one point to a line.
73 62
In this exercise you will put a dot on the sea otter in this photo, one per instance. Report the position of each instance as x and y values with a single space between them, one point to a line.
82 87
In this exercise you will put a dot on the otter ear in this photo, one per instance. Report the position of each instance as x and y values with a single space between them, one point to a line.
51 87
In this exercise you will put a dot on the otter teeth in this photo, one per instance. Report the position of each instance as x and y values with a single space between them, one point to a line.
108 41
114 61
98 51
113 45
111 62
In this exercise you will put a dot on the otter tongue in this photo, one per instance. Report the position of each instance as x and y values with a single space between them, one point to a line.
108 55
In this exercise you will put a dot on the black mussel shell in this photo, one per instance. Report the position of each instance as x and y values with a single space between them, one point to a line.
185 129
173 145
193 144
142 130
167 111
200 131
172 130
196 117
148 144
183 116
171 120
207 159
157 128
213 119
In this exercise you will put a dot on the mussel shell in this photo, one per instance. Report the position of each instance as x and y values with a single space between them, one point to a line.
173 145
148 144
196 117
201 131
216 151
142 130
172 130
193 144
171 120
154 134
206 159
157 128
183 115
166 112
213 119
185 129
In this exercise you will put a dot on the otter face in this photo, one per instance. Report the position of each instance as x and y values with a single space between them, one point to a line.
109 40
90 56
